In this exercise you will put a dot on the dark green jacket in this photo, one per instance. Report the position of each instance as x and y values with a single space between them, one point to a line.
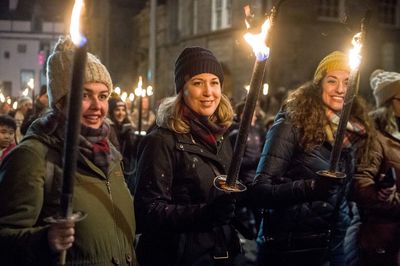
31 179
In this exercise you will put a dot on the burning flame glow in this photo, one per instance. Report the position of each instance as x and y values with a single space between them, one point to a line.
355 52
25 92
257 41
131 97
31 83
124 95
139 90
265 89
77 38
149 90
117 90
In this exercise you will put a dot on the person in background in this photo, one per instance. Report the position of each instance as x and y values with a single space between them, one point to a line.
376 188
7 135
32 178
40 107
148 116
122 135
182 217
24 104
306 216
5 108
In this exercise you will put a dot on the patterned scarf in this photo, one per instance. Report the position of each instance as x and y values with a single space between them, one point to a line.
355 130
92 142
94 145
202 128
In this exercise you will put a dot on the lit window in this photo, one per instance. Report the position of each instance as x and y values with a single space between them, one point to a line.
389 12
221 14
330 9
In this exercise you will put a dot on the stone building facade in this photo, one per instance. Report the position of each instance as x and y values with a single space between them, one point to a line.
305 31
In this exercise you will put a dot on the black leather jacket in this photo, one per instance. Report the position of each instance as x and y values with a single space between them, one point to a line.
175 184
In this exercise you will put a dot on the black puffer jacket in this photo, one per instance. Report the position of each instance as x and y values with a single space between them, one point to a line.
172 191
281 188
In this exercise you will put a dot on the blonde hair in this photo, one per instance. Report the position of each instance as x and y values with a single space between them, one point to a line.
169 114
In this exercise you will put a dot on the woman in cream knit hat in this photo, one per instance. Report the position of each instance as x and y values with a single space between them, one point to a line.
32 178
380 200
306 215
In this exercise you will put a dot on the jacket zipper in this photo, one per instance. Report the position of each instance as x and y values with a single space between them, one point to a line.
108 184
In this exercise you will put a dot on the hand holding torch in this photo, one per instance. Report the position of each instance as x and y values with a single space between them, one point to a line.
259 42
351 93
70 152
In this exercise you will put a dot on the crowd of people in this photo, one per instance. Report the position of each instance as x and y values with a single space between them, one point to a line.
150 199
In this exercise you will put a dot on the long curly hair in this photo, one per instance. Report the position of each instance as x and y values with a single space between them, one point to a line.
305 108
169 114
385 119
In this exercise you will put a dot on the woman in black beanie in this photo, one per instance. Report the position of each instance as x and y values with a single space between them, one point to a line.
122 136
183 218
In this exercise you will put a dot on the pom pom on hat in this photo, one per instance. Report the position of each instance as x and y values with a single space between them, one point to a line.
334 61
193 61
385 85
59 70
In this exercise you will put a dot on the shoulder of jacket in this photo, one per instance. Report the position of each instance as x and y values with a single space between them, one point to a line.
34 145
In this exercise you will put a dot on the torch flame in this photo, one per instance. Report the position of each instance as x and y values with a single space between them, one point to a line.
355 52
139 89
77 38
257 41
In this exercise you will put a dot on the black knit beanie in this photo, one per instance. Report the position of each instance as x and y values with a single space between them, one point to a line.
193 61
113 103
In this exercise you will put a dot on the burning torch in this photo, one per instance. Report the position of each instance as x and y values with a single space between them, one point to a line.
70 152
259 43
351 93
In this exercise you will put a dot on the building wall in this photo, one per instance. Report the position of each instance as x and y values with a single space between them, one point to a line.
299 42
14 62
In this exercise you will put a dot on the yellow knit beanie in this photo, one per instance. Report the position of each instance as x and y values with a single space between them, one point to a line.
334 61
59 70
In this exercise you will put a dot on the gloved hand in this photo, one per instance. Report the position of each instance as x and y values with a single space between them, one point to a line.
221 210
321 188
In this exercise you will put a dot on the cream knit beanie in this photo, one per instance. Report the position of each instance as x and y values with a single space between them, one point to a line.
59 70
385 85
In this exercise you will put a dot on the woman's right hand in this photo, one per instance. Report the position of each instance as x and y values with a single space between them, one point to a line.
222 209
61 236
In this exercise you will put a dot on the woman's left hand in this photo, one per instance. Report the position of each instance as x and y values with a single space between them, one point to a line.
386 194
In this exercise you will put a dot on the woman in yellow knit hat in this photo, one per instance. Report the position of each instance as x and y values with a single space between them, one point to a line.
306 216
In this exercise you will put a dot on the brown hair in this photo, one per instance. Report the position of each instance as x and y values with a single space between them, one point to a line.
304 107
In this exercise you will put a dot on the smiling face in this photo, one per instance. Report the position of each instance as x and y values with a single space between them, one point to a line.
6 136
119 112
334 87
94 104
202 93
396 104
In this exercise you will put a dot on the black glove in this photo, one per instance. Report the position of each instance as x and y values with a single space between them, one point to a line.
221 210
321 188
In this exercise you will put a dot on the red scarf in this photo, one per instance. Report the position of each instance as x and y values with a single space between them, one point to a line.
203 129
